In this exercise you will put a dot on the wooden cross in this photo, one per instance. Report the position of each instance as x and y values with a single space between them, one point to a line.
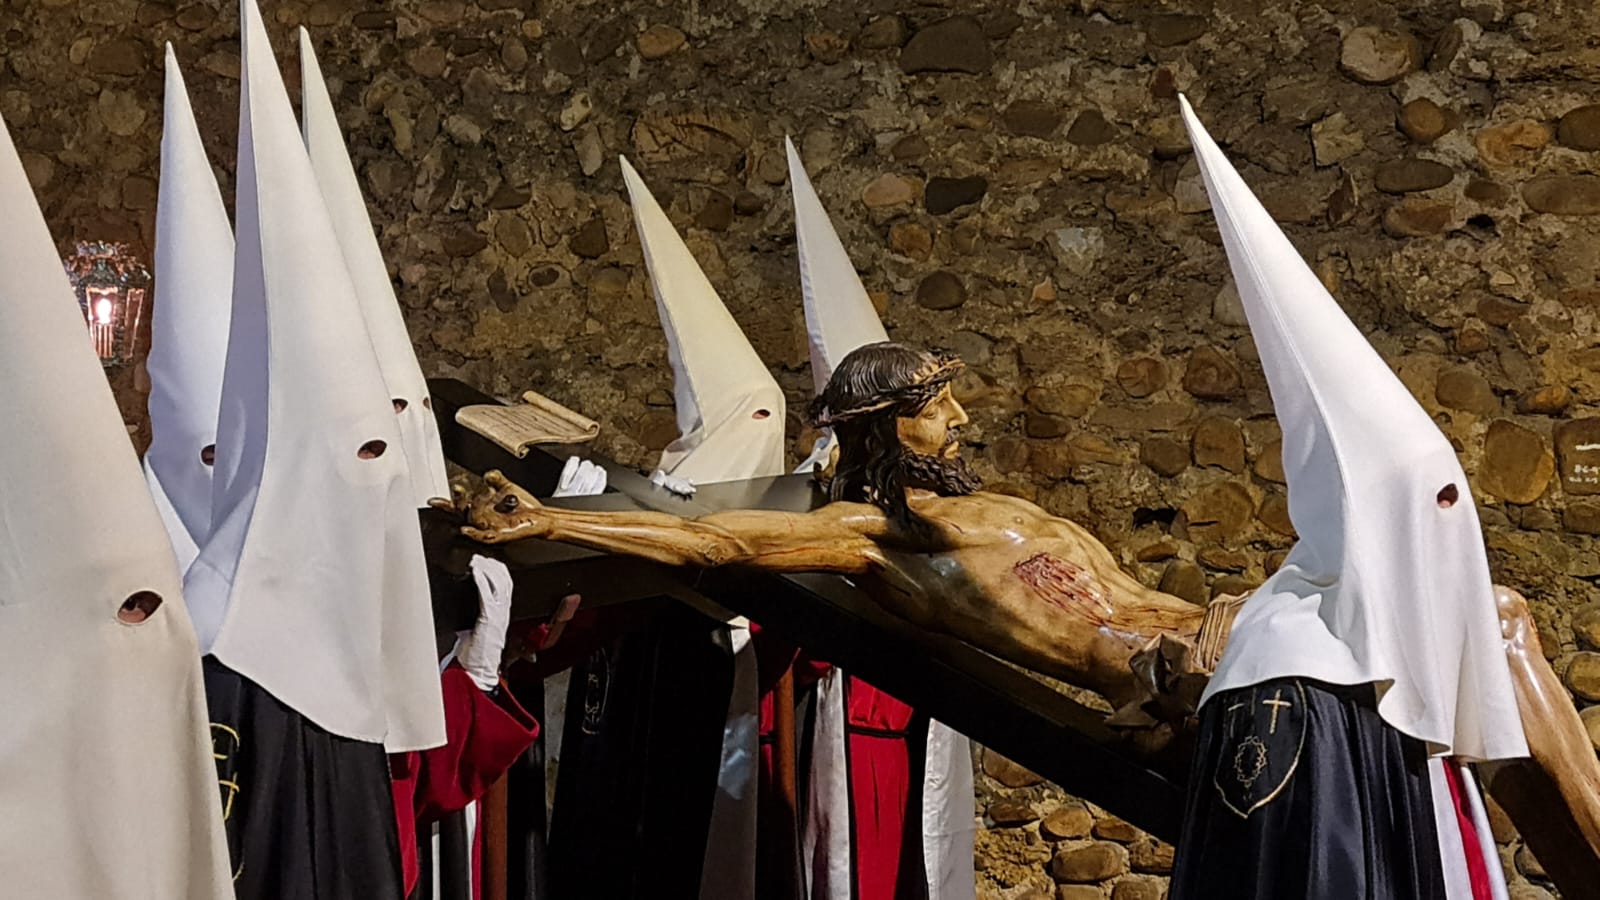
1010 712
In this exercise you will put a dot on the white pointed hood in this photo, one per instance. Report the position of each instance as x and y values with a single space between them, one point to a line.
730 410
839 314
397 358
316 550
1383 585
104 723
188 325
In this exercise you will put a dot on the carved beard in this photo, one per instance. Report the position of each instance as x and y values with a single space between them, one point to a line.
945 476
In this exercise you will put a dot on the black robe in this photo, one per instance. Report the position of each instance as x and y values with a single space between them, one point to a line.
309 815
1300 791
639 759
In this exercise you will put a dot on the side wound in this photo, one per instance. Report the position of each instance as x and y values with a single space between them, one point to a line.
1066 585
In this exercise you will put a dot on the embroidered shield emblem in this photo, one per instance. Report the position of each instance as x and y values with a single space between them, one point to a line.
1265 730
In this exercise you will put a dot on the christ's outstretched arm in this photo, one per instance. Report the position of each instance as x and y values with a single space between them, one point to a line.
836 538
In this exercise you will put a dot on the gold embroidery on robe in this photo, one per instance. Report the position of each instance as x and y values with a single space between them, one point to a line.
1264 733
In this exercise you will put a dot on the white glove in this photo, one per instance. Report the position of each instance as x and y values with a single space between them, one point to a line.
821 455
591 479
580 478
683 487
479 650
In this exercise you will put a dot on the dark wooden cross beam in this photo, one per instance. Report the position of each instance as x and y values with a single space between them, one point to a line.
978 695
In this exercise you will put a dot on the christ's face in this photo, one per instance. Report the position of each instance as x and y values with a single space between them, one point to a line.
932 431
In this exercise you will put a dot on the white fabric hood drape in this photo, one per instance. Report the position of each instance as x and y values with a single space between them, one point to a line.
188 325
839 315
720 386
318 551
1383 585
840 318
397 357
109 788
730 410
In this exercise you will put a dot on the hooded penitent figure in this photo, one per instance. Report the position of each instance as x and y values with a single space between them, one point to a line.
1376 643
699 756
325 656
108 789
488 730
188 329
397 358
839 315
862 809
730 410
731 419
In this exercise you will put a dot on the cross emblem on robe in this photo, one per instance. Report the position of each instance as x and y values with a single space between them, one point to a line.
1277 703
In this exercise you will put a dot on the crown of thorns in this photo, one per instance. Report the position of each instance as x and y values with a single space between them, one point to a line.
924 386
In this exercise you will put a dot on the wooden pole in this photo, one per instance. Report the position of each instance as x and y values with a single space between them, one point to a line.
494 841
784 766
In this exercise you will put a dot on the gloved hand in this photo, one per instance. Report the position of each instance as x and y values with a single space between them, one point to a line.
479 651
821 456
683 487
580 478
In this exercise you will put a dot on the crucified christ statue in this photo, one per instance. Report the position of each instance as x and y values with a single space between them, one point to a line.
909 524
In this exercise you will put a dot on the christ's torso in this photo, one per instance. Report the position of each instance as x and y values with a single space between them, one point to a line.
1035 589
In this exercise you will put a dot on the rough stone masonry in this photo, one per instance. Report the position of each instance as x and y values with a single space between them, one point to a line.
1014 184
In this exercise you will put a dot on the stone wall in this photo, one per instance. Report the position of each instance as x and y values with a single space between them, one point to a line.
1038 844
1014 184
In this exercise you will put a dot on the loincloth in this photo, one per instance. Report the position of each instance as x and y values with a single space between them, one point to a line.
1172 671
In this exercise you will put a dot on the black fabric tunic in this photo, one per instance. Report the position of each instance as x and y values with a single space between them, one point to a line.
309 815
639 760
1300 791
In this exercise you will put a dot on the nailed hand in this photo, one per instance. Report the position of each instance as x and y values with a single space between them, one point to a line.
499 512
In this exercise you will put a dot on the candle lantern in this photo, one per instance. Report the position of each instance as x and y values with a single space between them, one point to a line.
111 285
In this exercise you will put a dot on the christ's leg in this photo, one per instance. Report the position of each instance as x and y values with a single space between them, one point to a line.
1563 766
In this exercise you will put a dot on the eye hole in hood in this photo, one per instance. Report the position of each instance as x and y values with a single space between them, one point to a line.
139 607
1448 495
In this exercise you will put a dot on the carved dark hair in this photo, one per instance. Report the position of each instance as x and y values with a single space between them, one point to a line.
870 388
